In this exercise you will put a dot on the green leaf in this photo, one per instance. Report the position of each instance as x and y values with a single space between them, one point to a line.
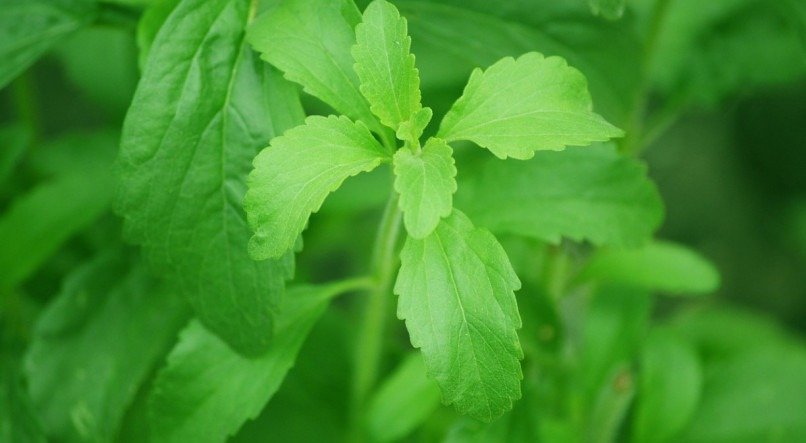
149 25
28 28
19 422
609 9
310 41
385 65
670 383
518 106
207 391
96 343
204 107
37 223
456 290
582 193
756 396
412 129
402 402
294 175
657 266
426 182
449 46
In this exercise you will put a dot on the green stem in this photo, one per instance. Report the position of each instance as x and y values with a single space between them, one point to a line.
631 144
369 346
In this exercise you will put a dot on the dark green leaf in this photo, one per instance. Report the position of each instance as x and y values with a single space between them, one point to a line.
204 107
96 343
28 28
207 391
583 194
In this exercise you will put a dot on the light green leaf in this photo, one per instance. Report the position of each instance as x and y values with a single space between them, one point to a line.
657 266
37 223
204 107
207 391
402 402
412 129
670 383
426 182
609 9
310 41
28 28
294 175
456 291
385 65
95 345
518 106
582 193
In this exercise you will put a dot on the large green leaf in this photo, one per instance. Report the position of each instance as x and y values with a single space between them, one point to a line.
583 193
426 182
207 391
456 289
294 175
389 80
28 28
656 266
204 107
518 106
96 343
38 222
310 41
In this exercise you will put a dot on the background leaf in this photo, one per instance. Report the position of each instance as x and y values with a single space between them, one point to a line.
207 391
28 28
582 193
96 343
203 108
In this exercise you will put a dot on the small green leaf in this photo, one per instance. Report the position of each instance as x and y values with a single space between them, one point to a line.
207 391
582 193
412 129
95 345
670 383
657 266
518 106
609 9
389 80
28 28
403 401
426 182
310 41
456 290
204 107
294 175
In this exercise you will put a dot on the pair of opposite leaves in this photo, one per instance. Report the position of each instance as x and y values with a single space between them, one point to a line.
456 284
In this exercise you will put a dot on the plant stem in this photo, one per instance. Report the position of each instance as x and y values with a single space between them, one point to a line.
631 144
369 345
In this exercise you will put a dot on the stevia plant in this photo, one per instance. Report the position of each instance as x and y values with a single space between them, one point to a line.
290 191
